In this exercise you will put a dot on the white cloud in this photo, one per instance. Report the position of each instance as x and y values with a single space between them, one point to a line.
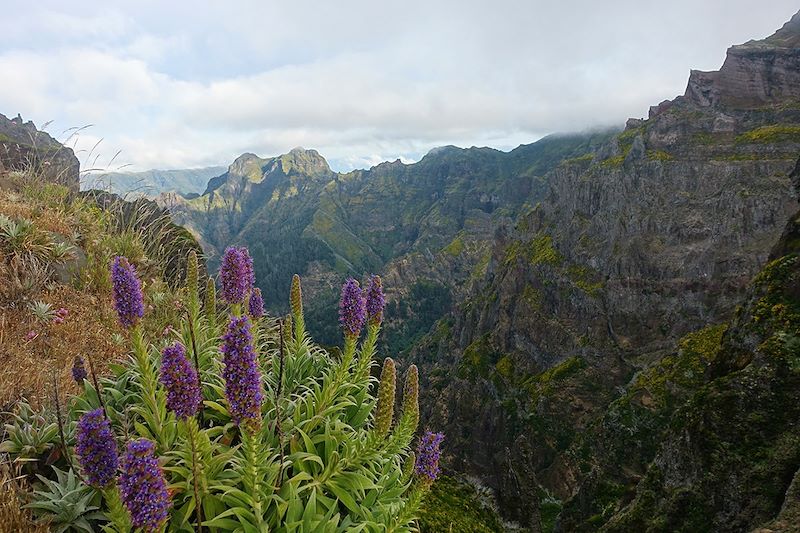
173 85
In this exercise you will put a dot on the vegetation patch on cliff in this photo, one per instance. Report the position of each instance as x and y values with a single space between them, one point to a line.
773 133
453 505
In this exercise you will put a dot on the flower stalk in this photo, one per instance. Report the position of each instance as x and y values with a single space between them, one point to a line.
236 275
241 375
127 292
143 487
296 306
385 406
192 284
210 302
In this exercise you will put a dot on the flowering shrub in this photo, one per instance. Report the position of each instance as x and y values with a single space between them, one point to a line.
237 421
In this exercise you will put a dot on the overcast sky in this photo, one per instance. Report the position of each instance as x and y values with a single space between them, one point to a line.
187 84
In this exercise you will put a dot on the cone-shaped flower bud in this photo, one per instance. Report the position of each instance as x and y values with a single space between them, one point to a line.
352 309
192 274
287 329
179 377
210 303
296 297
411 395
143 487
408 467
255 304
242 378
236 275
386 391
96 448
78 370
375 300
192 283
427 463
127 291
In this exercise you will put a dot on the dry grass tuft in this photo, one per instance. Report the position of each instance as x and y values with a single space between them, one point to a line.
46 219
14 519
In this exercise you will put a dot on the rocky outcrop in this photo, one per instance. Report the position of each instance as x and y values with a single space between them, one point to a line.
24 148
755 74
727 459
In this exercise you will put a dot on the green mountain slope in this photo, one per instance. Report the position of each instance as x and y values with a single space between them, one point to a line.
296 215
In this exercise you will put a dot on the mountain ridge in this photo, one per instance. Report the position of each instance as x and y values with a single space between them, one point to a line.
654 237
401 208
151 183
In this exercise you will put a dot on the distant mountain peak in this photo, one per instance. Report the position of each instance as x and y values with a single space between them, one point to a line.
247 156
247 165
302 161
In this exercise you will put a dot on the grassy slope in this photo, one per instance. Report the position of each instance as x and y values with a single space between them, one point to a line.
92 230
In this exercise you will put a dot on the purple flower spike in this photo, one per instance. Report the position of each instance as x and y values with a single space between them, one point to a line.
96 448
242 378
427 464
179 377
249 273
236 275
143 487
352 308
127 290
255 305
375 300
78 370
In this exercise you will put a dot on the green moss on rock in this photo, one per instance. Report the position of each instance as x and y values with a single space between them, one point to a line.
659 155
455 247
543 383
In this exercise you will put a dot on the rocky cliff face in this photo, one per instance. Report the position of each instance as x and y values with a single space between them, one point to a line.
24 148
729 455
653 237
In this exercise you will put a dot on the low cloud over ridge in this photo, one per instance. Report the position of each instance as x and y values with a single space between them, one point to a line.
178 86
